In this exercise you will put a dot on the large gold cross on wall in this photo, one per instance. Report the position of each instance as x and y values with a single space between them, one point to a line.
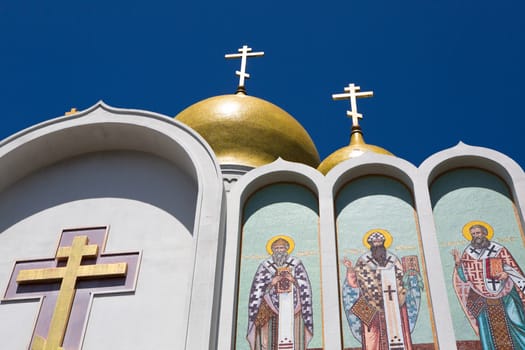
68 276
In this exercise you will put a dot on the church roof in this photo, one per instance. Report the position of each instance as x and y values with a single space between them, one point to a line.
249 131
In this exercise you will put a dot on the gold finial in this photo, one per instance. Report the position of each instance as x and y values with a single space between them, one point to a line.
352 93
72 111
245 52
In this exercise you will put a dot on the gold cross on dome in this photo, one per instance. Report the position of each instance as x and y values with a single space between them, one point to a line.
351 93
245 52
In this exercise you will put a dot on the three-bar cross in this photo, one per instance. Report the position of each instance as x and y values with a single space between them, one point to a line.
352 92
245 52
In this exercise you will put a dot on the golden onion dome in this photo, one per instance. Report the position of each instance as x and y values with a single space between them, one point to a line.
356 148
249 131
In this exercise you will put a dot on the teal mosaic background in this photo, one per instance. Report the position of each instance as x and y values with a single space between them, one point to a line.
280 209
461 196
379 202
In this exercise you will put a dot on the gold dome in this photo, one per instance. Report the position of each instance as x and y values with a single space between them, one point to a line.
356 148
249 131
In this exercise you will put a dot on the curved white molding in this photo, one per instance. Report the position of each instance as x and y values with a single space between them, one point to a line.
463 155
104 128
279 170
368 164
459 156
101 128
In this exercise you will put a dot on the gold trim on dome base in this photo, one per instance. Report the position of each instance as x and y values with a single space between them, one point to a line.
356 148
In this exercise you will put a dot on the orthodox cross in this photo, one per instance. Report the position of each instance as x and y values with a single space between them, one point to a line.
245 52
352 92
66 283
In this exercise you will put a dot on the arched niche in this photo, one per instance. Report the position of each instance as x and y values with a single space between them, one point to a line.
155 184
470 185
377 192
280 199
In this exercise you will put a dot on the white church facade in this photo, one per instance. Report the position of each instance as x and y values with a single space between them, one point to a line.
127 229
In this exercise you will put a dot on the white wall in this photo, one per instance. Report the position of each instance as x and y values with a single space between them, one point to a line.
150 207
156 184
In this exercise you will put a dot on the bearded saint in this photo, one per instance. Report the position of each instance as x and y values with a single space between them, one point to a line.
381 295
489 284
280 314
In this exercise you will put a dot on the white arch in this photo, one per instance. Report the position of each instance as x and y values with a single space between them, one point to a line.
459 156
463 155
367 164
104 128
278 171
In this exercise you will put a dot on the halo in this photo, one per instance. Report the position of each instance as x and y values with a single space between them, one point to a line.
388 237
468 225
291 243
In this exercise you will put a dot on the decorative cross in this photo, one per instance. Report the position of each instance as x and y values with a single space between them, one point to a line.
289 263
67 282
72 111
245 52
491 250
474 250
369 259
273 265
494 283
352 93
389 291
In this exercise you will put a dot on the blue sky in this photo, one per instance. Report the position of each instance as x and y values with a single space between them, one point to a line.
441 71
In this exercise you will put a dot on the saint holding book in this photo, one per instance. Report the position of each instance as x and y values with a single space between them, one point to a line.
280 313
489 284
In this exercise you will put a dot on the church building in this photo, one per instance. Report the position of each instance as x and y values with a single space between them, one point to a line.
221 228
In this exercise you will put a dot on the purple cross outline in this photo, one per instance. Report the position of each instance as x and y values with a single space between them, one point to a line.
47 290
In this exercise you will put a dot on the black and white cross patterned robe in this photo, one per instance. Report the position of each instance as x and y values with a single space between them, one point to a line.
261 292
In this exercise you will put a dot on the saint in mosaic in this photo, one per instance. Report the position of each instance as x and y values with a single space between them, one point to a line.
382 294
489 284
280 314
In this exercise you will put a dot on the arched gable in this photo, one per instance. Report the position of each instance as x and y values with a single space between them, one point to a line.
154 181
464 156
370 192
466 184
300 184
